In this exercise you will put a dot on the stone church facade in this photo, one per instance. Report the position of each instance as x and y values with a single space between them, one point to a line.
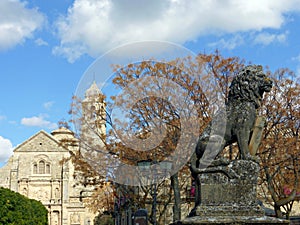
40 168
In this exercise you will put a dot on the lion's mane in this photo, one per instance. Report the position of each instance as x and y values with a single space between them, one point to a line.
246 86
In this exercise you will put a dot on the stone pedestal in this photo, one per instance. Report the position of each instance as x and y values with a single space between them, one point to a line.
234 220
230 201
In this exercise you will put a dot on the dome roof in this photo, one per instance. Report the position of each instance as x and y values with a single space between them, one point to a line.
62 130
63 133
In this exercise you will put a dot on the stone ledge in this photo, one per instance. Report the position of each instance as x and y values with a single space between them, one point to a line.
223 211
231 220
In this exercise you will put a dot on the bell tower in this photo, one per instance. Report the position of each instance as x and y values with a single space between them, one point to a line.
93 122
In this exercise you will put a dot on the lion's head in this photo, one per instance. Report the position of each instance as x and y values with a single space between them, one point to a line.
250 85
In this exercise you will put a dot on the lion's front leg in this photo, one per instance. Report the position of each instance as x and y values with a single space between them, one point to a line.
193 163
243 136
195 172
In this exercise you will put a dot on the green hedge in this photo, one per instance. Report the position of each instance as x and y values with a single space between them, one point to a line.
16 209
104 220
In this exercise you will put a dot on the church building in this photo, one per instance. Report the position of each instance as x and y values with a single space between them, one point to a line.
40 168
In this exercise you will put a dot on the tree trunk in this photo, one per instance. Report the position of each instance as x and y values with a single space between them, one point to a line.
177 205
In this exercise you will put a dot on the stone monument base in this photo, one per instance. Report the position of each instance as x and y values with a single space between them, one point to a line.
231 220
230 200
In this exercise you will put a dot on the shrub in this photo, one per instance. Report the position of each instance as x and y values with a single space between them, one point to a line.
16 209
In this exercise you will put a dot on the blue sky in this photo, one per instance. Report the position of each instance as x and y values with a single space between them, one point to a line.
46 46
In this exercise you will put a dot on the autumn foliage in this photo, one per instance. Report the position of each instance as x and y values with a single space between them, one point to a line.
154 121
279 151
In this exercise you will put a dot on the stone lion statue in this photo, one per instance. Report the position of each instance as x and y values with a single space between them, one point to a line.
245 96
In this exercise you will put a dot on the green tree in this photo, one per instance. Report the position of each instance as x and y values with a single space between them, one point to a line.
16 209
104 219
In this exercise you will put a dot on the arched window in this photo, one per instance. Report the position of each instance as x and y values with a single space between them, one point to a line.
48 168
57 193
35 168
24 191
41 167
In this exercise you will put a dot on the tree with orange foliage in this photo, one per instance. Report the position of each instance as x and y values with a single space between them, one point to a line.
279 150
205 79
156 120
153 119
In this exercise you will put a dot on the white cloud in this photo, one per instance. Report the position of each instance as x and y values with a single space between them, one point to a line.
297 58
6 149
95 26
262 38
266 38
48 105
13 122
38 121
41 42
17 22
230 43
